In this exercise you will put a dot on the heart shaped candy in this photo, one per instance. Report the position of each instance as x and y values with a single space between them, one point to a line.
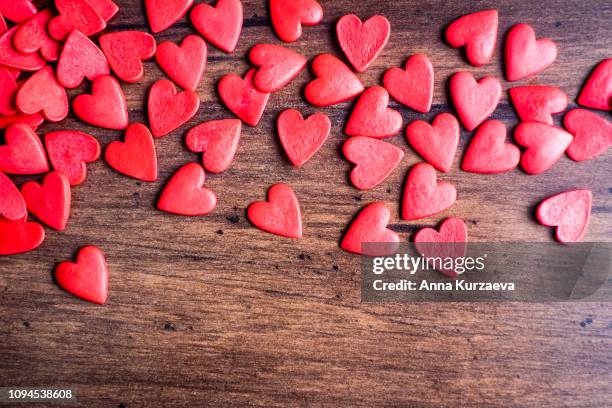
32 121
75 15
32 36
219 25
302 138
289 16
474 101
49 201
335 82
12 204
18 237
371 116
423 195
106 107
569 212
69 151
488 152
242 98
8 91
478 33
436 143
218 139
413 86
43 93
87 278
545 145
17 11
368 233
125 51
526 56
169 109
374 160
163 13
185 193
450 242
11 58
280 215
277 66
185 65
537 103
23 152
597 90
80 58
592 134
362 42
105 8
136 157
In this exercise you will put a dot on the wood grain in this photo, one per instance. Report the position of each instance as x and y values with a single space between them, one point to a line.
213 312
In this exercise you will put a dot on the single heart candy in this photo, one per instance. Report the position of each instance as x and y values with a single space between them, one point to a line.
374 160
362 42
80 58
368 233
537 103
87 278
592 134
11 58
33 121
526 56
12 204
32 36
488 152
164 13
242 98
289 16
412 86
185 193
569 212
125 51
218 140
280 215
49 201
436 143
20 236
371 116
335 82
8 91
17 11
69 151
169 109
450 242
277 66
185 65
545 145
474 101
23 152
478 33
424 196
106 107
302 138
136 157
75 15
219 25
597 90
43 93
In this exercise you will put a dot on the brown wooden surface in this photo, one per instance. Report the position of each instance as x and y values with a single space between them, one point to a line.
213 312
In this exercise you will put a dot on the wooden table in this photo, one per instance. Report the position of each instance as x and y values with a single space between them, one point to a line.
213 312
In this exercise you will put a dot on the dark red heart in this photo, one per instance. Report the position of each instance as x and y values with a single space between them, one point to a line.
87 278
450 242
474 101
372 117
23 152
125 51
220 25
537 103
368 233
545 145
17 11
242 98
424 196
11 58
412 86
12 204
136 157
526 56
478 33
49 201
164 13
289 16
169 109
280 215
302 138
80 58
69 151
106 107
277 66
374 160
185 193
488 152
185 65
43 93
75 15
362 42
335 82
569 212
436 143
597 90
592 134
18 237
32 36
218 140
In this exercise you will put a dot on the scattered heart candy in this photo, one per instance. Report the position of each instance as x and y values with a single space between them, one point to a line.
597 90
277 66
169 109
412 86
569 212
537 103
75 15
43 93
69 150
17 11
302 138
32 36
526 56
592 134
49 201
368 233
424 196
220 25
80 58
474 101
371 116
289 16
335 82
23 152
218 140
545 145
280 215
164 13
241 97
8 91
478 33
87 278
185 193
136 157
374 160
436 143
106 107
362 42
12 204
185 65
11 58
20 236
450 242
488 152
125 51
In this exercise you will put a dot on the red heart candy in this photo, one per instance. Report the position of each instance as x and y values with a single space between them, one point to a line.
87 278
289 16
163 13
374 160
242 98
18 237
302 138
436 143
75 15
3 26
450 242
474 101
106 107
80 58
478 33
423 195
280 215
592 134
569 212
12 205
218 139
488 152
136 157
32 36
597 90
169 109
371 116
526 56
537 103
42 93
11 58
185 193
220 25
8 90
413 86
69 151
370 228
362 42
17 11
105 8
23 152
125 51
185 65
335 82
33 121
49 201
545 145
277 66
